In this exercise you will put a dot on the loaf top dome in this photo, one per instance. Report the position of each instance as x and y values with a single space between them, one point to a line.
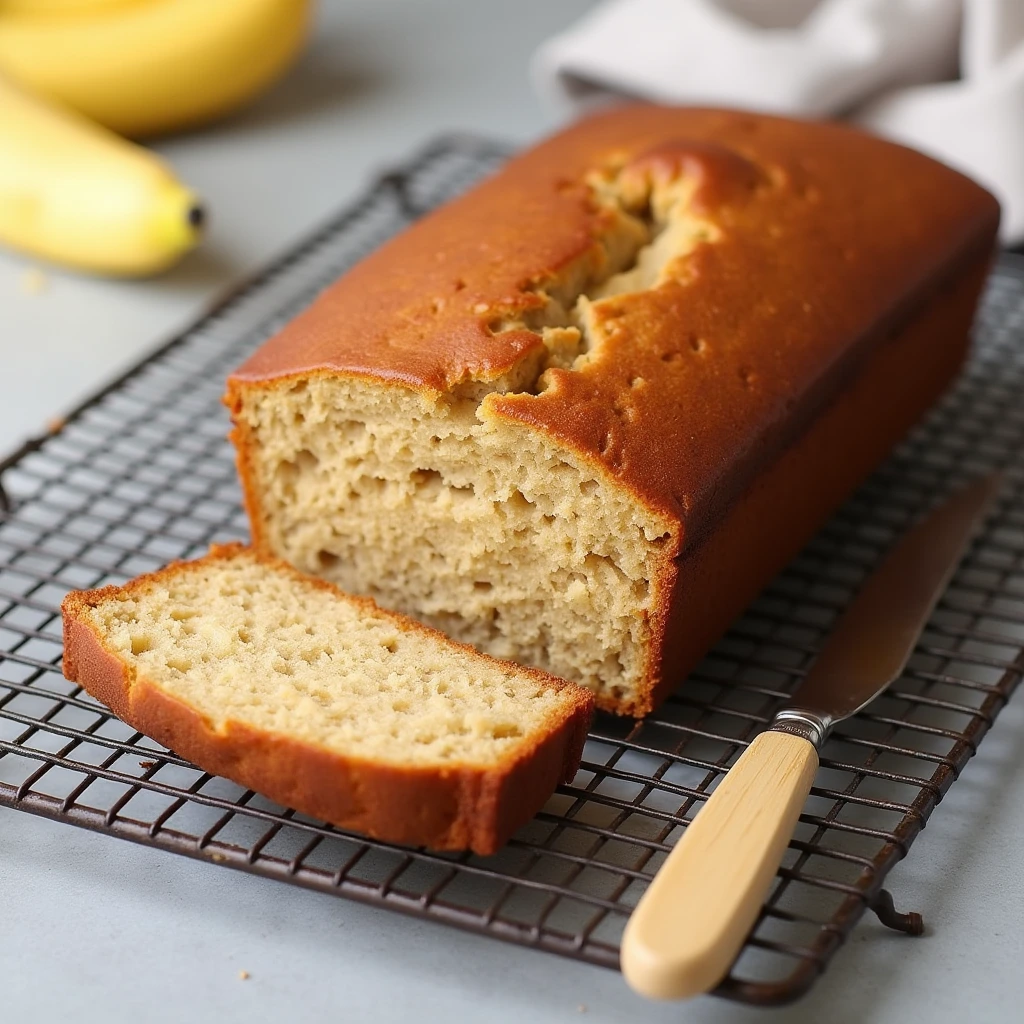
667 293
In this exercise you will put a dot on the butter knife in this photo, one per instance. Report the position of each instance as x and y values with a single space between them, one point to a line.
695 916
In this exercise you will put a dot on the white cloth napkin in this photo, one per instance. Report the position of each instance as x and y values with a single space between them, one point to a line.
943 76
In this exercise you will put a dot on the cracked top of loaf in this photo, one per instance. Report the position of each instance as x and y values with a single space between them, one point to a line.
671 294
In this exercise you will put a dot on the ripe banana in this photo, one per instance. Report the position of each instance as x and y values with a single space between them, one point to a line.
57 8
73 192
142 67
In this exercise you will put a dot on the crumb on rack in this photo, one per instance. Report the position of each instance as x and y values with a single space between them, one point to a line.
56 425
218 857
32 281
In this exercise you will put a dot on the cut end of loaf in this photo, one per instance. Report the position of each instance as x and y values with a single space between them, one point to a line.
440 509
319 700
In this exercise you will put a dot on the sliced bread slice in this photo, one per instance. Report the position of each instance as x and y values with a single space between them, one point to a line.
326 703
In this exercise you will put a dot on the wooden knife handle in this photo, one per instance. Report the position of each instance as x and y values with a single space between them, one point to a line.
691 923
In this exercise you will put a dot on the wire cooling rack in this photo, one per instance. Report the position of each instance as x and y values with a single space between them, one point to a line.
142 474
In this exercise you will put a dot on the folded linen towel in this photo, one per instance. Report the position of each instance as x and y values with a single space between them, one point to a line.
943 76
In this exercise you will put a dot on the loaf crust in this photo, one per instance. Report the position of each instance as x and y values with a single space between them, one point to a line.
833 240
456 808
832 247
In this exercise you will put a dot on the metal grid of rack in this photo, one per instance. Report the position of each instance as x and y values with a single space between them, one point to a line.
142 474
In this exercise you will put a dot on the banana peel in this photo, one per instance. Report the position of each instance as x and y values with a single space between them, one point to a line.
74 193
146 67
76 75
59 8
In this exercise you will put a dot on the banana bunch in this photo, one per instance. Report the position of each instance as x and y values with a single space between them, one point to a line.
77 75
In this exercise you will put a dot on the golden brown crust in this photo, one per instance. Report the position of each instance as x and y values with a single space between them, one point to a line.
461 807
765 528
827 244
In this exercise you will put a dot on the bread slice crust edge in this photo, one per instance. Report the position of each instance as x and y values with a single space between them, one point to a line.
450 808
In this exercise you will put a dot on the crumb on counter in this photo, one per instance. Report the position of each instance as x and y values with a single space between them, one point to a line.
582 1008
244 975
32 281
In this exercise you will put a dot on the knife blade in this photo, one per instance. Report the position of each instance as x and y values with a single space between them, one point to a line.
695 915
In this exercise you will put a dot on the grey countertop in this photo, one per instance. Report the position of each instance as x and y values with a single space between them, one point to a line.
97 929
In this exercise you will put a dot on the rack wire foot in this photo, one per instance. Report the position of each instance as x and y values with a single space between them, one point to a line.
911 923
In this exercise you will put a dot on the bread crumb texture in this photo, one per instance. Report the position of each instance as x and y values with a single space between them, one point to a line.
254 643
479 529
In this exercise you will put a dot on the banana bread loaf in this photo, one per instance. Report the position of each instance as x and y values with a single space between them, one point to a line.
579 416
